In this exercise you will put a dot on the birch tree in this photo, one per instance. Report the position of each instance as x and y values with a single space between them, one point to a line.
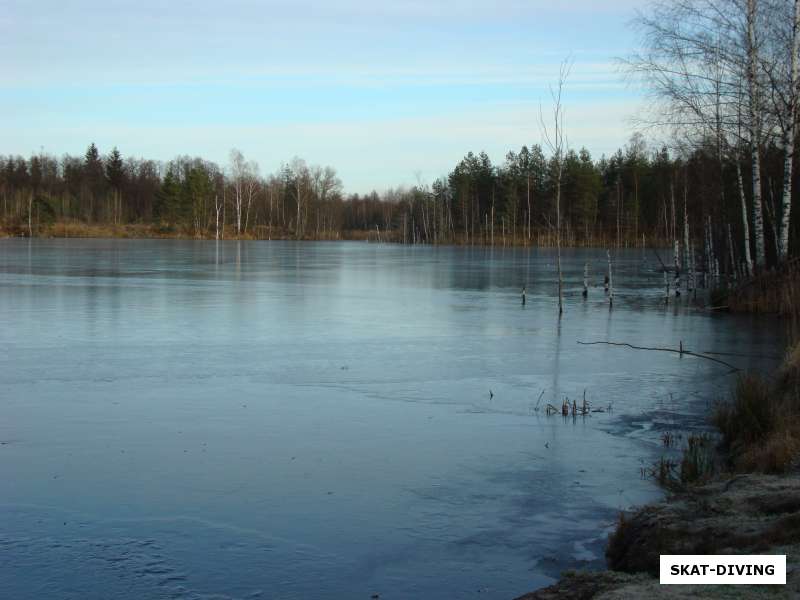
755 121
696 54
790 132
238 176
300 188
782 70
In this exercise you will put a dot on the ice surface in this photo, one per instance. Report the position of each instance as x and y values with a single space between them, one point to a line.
292 420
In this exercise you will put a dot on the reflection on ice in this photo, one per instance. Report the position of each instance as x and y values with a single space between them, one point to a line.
281 419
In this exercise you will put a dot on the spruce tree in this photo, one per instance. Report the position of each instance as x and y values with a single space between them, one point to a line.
115 171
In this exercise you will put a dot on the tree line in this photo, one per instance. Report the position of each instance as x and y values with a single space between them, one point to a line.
724 79
636 195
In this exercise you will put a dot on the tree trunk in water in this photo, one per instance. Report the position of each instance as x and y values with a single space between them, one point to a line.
610 282
585 279
298 208
529 209
217 207
558 245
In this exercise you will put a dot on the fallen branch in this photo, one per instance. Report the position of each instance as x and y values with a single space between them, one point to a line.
663 266
539 400
742 355
681 352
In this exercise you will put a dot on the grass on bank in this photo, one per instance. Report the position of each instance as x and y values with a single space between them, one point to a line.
776 291
761 427
759 431
542 237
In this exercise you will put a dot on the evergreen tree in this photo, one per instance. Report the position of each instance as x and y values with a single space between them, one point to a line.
115 169
166 206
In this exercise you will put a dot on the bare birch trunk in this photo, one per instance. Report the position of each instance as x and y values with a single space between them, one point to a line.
585 279
217 208
755 132
610 281
30 215
529 209
789 136
731 255
748 259
685 227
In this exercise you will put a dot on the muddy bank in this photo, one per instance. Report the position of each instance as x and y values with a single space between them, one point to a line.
744 514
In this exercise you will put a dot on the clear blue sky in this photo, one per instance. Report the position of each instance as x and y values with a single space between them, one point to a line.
382 91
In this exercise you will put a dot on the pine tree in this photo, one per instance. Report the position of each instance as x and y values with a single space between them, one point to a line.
168 199
93 166
115 171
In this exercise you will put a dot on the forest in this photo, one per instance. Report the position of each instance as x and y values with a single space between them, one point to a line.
723 80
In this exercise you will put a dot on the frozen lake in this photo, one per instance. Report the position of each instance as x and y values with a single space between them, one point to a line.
202 420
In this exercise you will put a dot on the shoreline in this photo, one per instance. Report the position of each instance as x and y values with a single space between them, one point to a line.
741 514
738 496
82 230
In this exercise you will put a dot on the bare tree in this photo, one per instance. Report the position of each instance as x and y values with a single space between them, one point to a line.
238 176
300 184
755 122
696 54
782 69
555 139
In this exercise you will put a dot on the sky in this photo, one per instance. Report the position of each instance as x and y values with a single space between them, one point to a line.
388 93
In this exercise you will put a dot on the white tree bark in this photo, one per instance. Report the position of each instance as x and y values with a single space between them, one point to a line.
790 133
748 259
754 108
685 228
610 282
731 255
217 208
30 215
585 279
238 172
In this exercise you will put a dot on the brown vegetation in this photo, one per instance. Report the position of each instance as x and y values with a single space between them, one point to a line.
772 292
542 238
761 426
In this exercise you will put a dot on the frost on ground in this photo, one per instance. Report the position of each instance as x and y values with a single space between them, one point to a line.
746 514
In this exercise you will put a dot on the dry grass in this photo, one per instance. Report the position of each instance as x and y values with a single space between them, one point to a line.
540 237
761 426
750 416
776 292
777 453
789 373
